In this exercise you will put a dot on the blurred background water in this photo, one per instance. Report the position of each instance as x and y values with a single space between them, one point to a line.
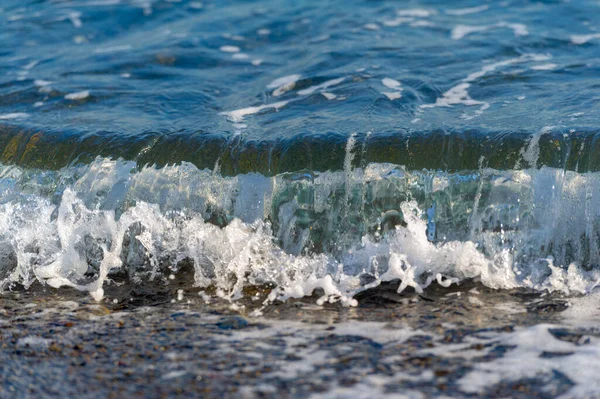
167 76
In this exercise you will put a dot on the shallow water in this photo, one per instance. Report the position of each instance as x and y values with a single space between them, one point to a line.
353 165
466 341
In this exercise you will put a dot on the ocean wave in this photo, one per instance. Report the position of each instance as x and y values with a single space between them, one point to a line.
339 231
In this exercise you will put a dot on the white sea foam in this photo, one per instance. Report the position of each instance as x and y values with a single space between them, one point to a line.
283 84
416 12
394 85
454 96
421 23
239 114
80 95
229 49
41 83
583 39
392 95
468 10
14 115
544 67
511 61
325 85
460 31
397 21
526 360
75 18
240 56
459 93
329 96
391 83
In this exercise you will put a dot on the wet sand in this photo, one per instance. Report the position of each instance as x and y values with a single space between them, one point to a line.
171 342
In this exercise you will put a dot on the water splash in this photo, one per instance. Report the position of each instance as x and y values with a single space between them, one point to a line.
340 232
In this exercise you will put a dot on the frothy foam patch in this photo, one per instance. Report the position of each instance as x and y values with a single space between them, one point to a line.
392 95
239 114
459 93
421 23
229 49
511 61
392 23
325 85
530 355
80 95
544 67
394 85
460 31
240 56
468 10
75 18
391 83
456 95
583 39
41 82
14 115
416 13
283 84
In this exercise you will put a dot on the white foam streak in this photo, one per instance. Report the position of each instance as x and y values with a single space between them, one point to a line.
456 95
467 11
390 83
459 93
239 114
325 85
283 81
416 12
80 95
394 85
283 84
511 61
544 67
392 23
460 31
392 95
14 115
583 39
229 49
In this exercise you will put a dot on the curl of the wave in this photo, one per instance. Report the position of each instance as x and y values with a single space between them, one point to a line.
339 232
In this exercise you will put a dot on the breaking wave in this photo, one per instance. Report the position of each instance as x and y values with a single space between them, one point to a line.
338 231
